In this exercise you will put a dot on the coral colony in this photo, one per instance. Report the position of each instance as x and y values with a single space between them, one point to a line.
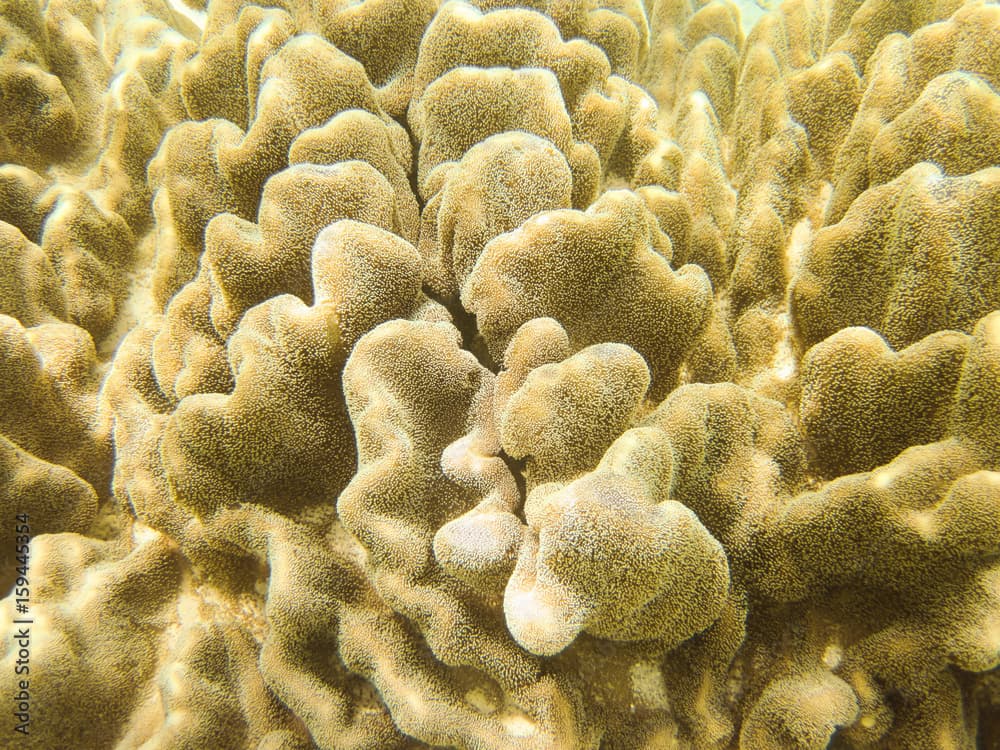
410 374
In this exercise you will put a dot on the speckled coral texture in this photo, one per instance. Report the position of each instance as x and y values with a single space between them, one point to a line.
397 374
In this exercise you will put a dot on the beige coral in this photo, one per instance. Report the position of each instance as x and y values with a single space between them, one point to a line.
862 270
405 374
610 559
602 274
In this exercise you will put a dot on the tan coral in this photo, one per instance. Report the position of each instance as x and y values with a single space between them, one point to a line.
41 123
302 84
249 263
924 518
142 101
771 202
460 35
499 184
949 124
179 376
366 275
703 182
29 288
388 508
495 100
565 375
862 271
220 449
599 274
221 80
286 359
619 28
49 392
91 250
899 85
734 453
20 190
802 711
51 497
385 37
566 414
356 135
975 415
606 554
858 396
189 189
91 602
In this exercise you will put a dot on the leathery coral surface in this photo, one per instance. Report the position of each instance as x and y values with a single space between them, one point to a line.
396 374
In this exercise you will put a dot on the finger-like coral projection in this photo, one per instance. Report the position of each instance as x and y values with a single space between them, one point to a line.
411 374
800 712
460 35
250 263
220 449
189 190
929 98
303 84
53 497
467 105
31 291
40 121
90 250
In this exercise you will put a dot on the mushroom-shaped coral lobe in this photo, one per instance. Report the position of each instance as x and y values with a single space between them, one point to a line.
500 375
